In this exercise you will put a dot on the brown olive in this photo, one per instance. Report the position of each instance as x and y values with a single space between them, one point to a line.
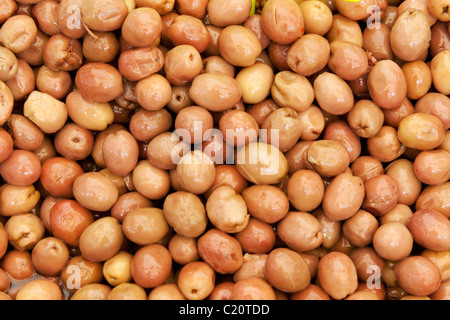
286 270
89 114
305 190
343 197
153 92
18 33
333 94
402 170
309 54
385 145
196 280
99 82
62 53
257 237
337 275
17 199
196 172
25 134
401 213
262 163
421 131
440 37
95 191
194 124
301 231
100 46
340 131
183 249
227 210
49 256
21 168
145 226
165 149
377 41
40 289
253 267
432 167
393 241
418 78
347 60
418 275
285 82
74 142
151 265
437 104
420 5
166 291
55 83
6 145
145 124
182 64
58 176
215 91
103 15
311 292
354 11
439 71
252 289
120 152
8 9
442 293
229 12
186 213
366 118
317 17
266 203
7 103
34 55
9 64
101 240
360 228
24 231
382 194
387 84
68 219
254 23
439 10
150 181
23 82
221 251
255 82
282 128
139 63
186 29
410 35
48 121
193 8
18 264
46 14
327 157
282 21
93 291
345 29
429 229
435 197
